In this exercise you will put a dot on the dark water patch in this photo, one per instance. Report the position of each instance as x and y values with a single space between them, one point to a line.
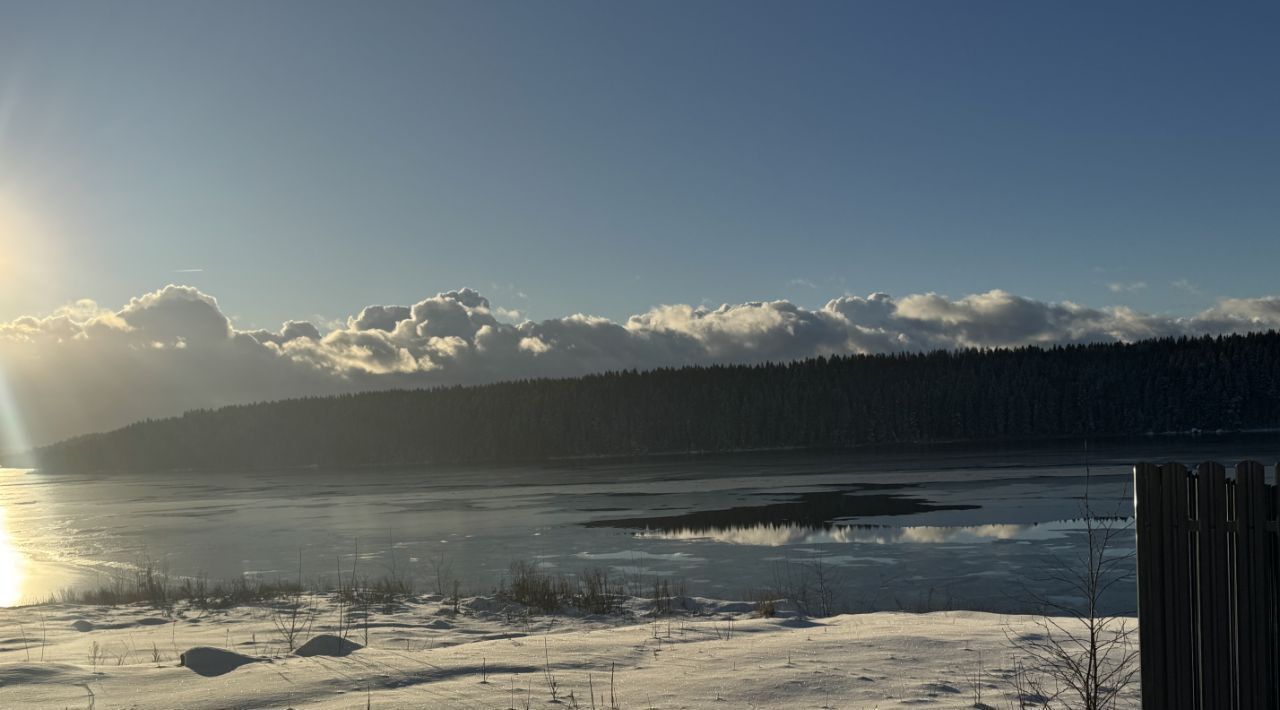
815 509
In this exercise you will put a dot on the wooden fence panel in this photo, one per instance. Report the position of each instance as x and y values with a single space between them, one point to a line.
1208 586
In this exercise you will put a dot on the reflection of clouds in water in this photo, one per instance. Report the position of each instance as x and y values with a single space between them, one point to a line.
777 534
842 560
641 571
1006 531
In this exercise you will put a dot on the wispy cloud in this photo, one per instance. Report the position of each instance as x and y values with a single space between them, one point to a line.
1186 286
1126 287
188 271
801 283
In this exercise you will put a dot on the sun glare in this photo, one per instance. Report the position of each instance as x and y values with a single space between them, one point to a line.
13 435
13 442
26 248
12 228
10 565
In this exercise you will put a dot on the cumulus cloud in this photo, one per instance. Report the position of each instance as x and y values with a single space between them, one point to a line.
85 367
379 318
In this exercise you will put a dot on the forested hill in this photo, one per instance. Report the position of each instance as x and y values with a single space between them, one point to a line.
1230 382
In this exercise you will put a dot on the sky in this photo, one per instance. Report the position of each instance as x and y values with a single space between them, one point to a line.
1020 164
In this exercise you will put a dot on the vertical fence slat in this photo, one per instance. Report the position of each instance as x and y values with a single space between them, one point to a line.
1165 587
1214 589
1179 612
1179 557
1153 645
1273 605
1251 614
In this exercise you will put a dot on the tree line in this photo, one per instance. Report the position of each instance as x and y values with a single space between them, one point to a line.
1160 385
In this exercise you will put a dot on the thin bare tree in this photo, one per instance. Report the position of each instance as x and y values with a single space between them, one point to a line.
293 619
441 568
1081 658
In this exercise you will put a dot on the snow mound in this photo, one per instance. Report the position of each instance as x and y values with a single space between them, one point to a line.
82 625
797 622
482 604
210 662
734 608
328 645
28 673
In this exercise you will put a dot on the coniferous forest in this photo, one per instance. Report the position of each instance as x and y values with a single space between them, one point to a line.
1165 385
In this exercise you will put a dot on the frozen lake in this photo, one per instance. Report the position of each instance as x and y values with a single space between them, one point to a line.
955 527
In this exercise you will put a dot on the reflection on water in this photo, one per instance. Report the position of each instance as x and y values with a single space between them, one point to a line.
779 534
10 565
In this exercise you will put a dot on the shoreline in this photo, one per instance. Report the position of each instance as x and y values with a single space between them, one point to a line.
903 447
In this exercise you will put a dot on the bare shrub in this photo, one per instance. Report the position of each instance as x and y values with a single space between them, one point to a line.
813 585
1080 659
440 568
292 620
530 586
766 606
661 597
596 595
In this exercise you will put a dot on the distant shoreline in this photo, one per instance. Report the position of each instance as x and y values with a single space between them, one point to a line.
1146 389
885 448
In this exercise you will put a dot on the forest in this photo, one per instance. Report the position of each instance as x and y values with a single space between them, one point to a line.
1154 386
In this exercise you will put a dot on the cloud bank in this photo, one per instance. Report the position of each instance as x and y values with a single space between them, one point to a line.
88 368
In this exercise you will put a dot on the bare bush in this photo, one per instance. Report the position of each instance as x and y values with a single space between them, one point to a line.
440 568
293 618
1081 659
595 594
530 586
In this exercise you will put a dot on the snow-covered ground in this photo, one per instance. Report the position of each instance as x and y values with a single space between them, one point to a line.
423 654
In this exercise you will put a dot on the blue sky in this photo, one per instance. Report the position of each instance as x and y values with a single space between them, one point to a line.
310 158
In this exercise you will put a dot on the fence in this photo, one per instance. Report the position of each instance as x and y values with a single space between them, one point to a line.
1208 560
